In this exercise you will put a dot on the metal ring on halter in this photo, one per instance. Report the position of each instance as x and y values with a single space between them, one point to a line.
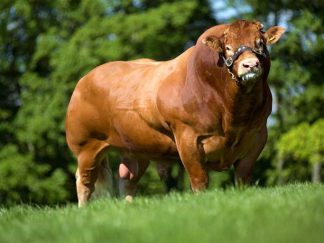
229 61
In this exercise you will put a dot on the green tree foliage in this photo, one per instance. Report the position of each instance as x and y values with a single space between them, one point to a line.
24 175
304 142
45 47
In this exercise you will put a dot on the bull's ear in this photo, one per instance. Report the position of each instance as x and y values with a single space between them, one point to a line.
213 42
273 34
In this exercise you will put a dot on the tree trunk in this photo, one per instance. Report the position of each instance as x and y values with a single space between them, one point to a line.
280 121
280 165
316 175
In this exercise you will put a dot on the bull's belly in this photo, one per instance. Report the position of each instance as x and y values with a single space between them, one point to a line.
160 149
135 137
153 145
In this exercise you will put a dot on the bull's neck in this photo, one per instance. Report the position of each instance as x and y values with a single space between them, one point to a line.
210 83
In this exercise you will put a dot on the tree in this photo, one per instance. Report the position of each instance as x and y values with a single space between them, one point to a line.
21 175
305 142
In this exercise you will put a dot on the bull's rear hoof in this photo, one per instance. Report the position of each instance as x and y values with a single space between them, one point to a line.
129 199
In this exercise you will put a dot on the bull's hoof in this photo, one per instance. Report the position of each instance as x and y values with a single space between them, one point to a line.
129 199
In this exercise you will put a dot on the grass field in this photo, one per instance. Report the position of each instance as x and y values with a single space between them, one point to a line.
293 213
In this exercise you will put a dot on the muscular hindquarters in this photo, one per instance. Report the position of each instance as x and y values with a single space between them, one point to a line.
107 113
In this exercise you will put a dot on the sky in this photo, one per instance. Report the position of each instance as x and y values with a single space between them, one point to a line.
222 11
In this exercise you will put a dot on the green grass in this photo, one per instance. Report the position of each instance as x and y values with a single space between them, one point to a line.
293 213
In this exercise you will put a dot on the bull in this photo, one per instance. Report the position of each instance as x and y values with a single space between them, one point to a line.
207 107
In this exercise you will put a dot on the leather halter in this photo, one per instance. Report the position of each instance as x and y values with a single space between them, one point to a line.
230 60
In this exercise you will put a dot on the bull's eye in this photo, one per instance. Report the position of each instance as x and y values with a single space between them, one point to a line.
229 50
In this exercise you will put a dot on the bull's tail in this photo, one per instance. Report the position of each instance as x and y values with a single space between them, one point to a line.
104 182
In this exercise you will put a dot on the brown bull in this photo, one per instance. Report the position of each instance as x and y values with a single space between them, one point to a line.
208 107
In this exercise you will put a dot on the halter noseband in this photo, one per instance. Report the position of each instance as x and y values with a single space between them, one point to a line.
230 60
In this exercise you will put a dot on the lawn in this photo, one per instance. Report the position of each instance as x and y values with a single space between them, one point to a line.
293 213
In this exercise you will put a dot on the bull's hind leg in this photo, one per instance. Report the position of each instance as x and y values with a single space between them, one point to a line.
130 172
89 160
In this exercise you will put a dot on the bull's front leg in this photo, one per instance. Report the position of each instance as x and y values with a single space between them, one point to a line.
192 156
244 167
243 172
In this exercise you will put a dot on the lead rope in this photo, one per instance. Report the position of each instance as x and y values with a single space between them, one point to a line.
232 74
228 69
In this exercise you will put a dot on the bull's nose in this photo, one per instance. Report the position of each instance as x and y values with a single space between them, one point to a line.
250 63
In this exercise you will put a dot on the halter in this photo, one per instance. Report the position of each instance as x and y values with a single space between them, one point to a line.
230 60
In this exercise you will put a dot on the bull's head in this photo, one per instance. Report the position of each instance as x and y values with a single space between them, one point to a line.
243 48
